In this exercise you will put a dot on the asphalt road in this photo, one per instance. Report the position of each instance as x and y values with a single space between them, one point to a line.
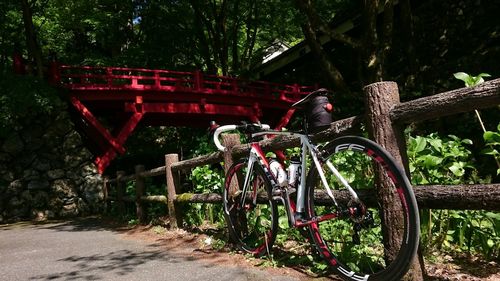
86 250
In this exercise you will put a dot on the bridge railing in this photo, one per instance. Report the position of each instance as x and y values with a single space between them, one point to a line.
122 78
385 123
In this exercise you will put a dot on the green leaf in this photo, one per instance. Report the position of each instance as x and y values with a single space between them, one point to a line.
467 141
321 266
432 161
462 76
420 144
437 144
283 222
457 169
469 80
490 243
456 215
493 215
491 136
484 75
489 151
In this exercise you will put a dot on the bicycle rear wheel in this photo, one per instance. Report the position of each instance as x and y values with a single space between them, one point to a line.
353 239
252 224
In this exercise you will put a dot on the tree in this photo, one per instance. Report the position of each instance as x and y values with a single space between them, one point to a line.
231 34
373 45
11 27
31 38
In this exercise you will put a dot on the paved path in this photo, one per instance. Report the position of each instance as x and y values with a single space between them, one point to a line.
85 250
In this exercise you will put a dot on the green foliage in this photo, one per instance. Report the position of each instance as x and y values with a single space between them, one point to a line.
147 144
469 80
286 233
153 210
203 145
462 231
205 180
10 29
133 222
492 140
23 98
437 160
180 35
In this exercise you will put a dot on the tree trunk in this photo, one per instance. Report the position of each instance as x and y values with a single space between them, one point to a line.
310 28
369 53
380 98
333 74
407 37
31 40
204 42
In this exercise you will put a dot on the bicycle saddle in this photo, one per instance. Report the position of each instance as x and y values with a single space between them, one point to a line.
304 101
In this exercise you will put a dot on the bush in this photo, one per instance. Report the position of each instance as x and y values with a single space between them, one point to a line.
447 160
23 98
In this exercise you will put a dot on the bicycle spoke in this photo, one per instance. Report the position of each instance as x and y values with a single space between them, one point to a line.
252 223
354 241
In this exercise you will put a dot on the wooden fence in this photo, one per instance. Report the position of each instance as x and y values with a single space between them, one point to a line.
386 117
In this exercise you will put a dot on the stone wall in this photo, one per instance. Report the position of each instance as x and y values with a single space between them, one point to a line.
46 172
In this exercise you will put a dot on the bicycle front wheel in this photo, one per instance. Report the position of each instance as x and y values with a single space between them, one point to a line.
250 213
353 238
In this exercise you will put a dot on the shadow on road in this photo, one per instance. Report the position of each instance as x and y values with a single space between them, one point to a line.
81 249
95 267
84 224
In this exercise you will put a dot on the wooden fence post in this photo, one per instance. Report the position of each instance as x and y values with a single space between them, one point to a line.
174 211
229 141
120 192
380 98
140 186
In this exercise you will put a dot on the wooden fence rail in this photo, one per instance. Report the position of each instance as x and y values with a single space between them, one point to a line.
386 119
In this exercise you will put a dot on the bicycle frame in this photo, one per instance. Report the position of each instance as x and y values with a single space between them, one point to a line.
252 213
307 148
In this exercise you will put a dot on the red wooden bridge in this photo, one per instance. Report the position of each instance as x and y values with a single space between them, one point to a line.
123 97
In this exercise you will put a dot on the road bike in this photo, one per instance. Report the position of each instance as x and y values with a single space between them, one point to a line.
341 194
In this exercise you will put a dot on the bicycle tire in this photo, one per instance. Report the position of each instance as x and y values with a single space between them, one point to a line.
252 227
353 245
